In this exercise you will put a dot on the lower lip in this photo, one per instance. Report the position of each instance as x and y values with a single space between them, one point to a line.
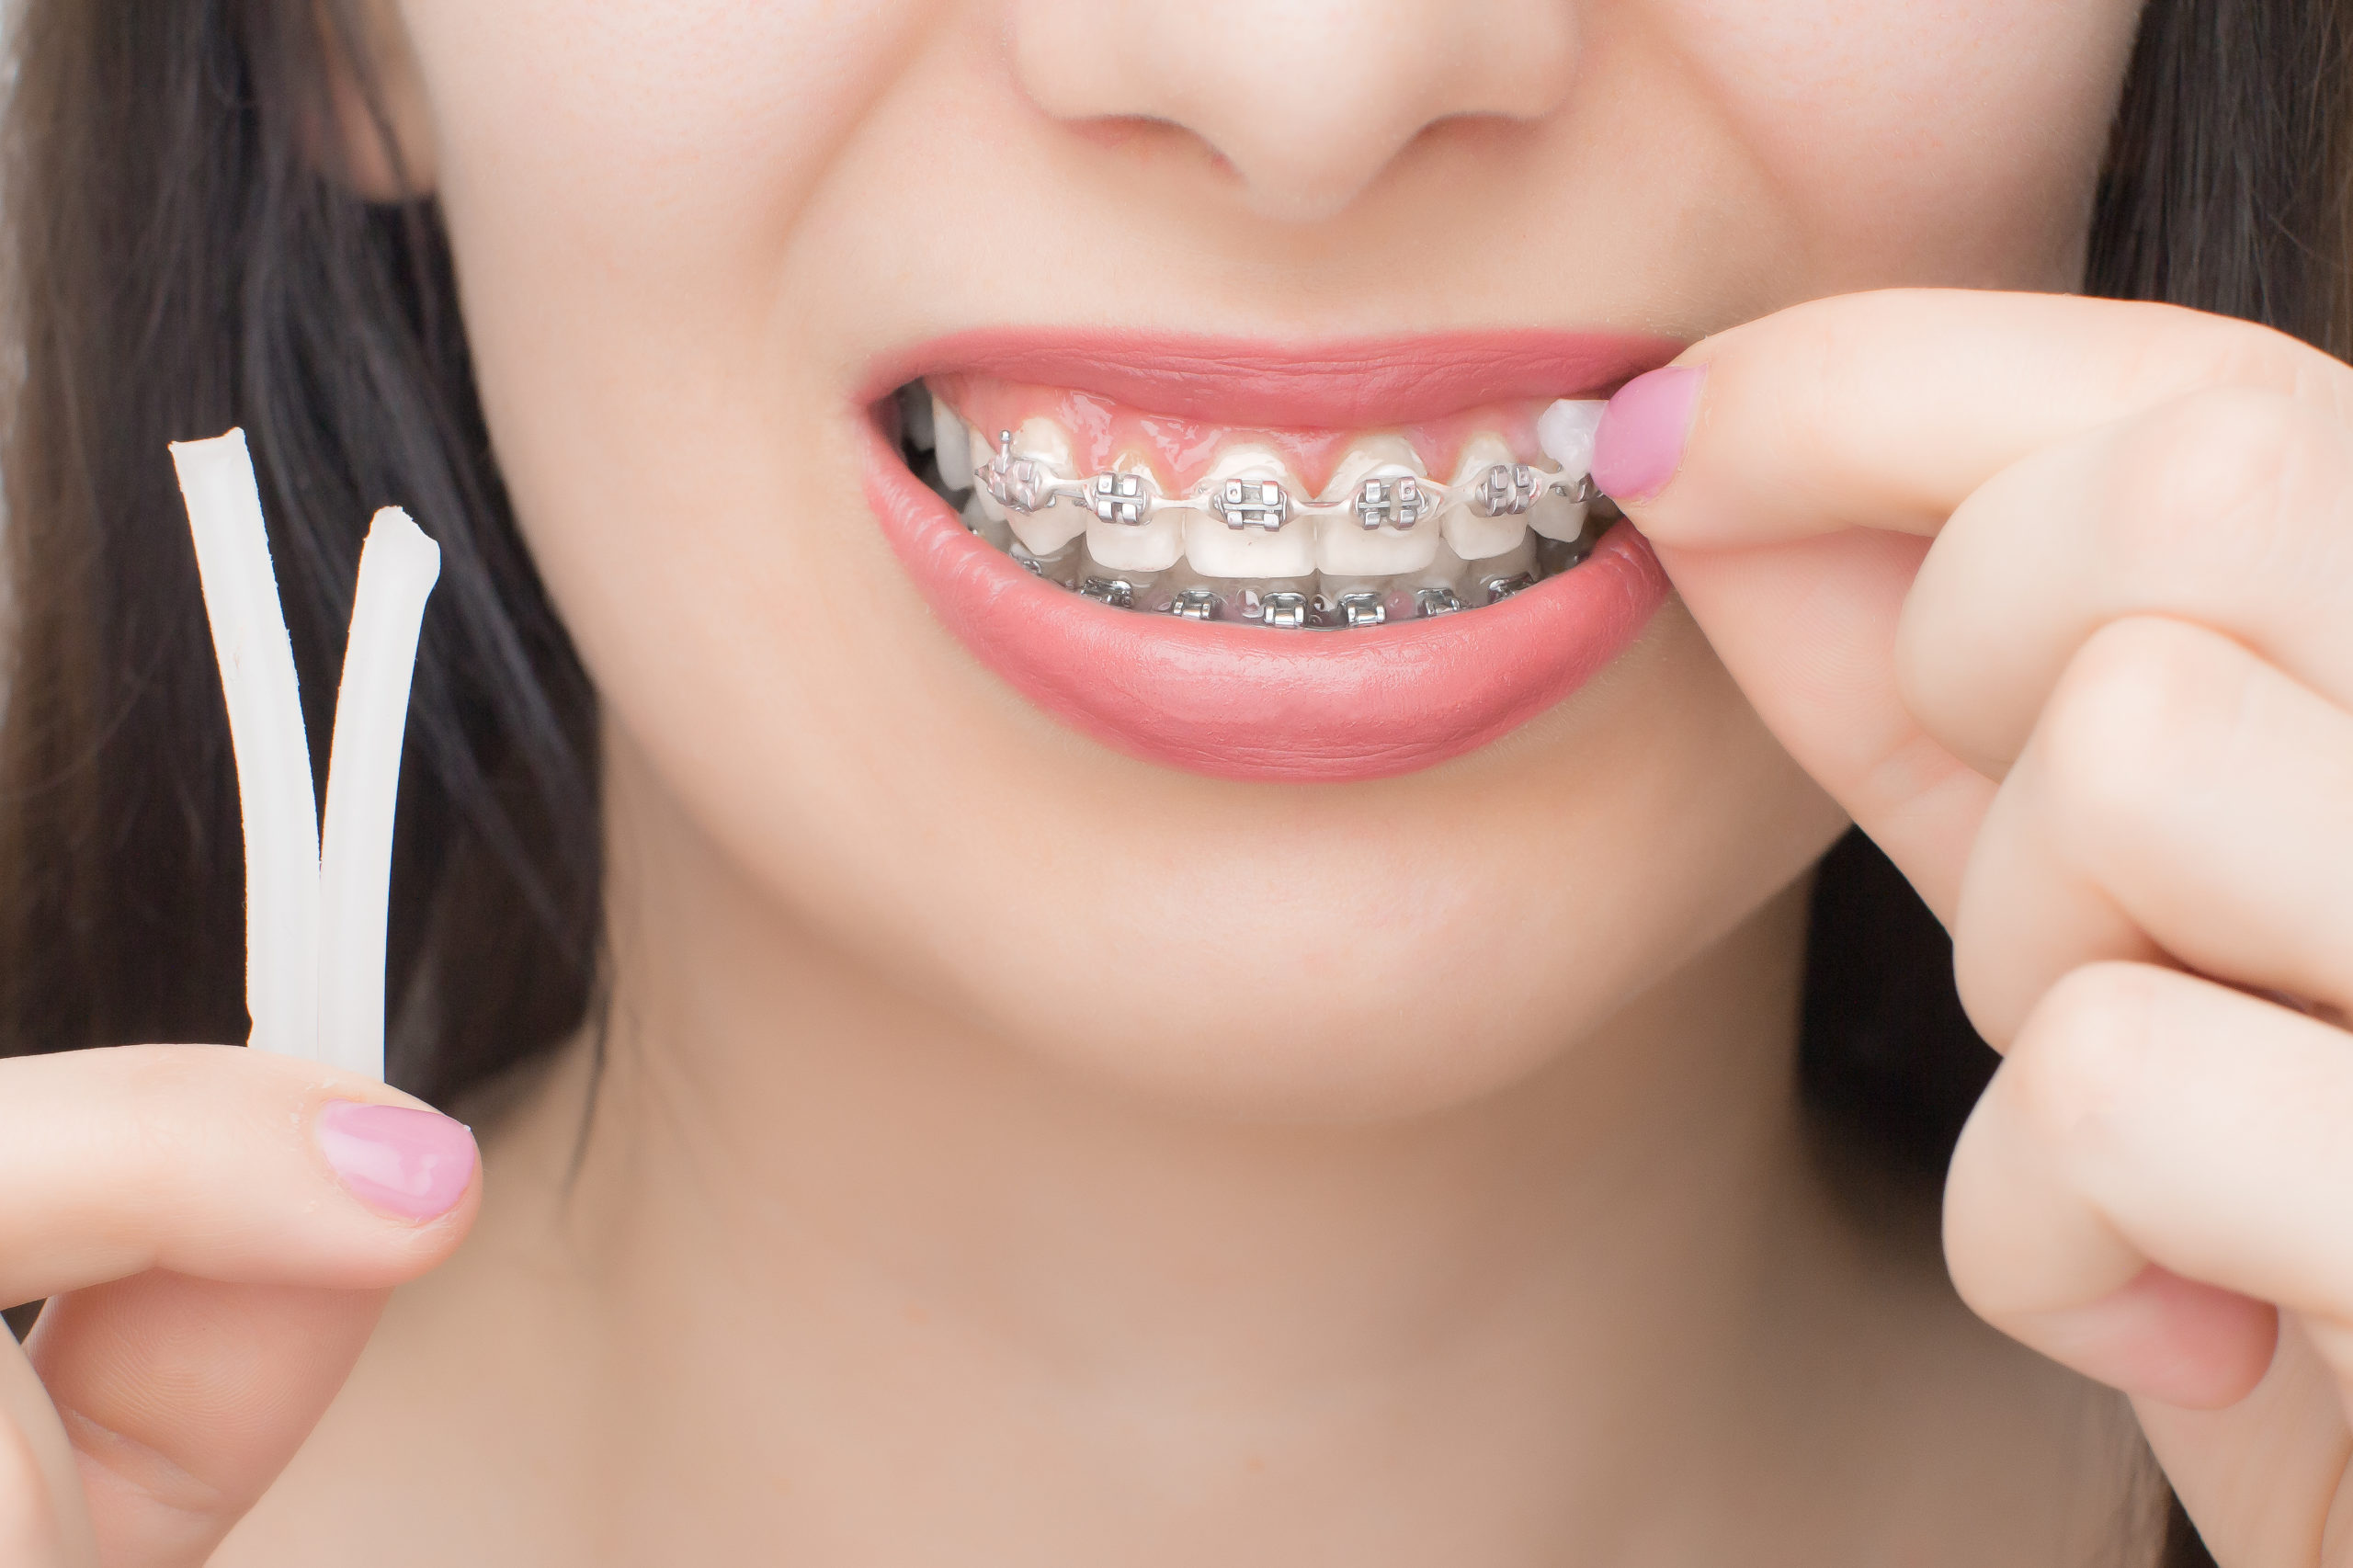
1253 703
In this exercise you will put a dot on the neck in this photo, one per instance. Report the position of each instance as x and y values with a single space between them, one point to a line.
800 1177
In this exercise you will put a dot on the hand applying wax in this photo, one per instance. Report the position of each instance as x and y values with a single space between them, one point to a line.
216 1230
2051 594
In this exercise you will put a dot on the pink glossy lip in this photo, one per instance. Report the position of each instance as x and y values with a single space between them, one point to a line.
1249 702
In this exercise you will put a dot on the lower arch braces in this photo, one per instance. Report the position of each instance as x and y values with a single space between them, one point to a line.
1289 605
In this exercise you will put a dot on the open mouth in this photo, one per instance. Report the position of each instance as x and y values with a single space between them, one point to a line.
1260 562
1288 529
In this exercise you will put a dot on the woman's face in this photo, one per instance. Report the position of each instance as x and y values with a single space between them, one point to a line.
1313 872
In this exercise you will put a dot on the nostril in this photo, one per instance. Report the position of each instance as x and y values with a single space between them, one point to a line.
1305 109
1149 138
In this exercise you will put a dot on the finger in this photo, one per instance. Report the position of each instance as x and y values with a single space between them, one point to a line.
2143 1116
2181 800
185 1398
1886 410
214 1228
2262 1478
1808 629
44 1523
2227 507
1883 411
217 1162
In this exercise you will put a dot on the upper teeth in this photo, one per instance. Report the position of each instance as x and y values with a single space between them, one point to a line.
1382 527
1026 478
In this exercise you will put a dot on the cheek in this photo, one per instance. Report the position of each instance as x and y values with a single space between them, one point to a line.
1919 140
621 179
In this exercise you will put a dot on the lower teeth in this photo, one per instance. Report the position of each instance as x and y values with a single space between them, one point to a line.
1450 587
1293 604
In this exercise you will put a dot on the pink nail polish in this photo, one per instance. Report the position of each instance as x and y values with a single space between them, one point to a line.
1639 443
412 1164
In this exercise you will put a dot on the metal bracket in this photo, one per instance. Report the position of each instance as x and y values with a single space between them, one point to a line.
1019 484
1392 502
1119 498
1252 504
1506 489
1285 609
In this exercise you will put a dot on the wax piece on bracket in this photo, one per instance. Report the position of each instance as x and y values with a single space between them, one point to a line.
281 823
397 570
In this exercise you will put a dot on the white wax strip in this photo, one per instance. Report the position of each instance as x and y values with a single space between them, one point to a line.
397 570
266 726
314 925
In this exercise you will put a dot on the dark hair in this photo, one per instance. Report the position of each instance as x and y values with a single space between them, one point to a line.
177 263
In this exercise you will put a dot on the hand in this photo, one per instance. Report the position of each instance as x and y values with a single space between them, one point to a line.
216 1231
2056 595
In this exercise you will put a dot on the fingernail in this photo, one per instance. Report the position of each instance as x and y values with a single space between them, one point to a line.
1639 443
412 1164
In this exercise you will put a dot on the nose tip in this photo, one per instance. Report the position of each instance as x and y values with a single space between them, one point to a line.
1307 102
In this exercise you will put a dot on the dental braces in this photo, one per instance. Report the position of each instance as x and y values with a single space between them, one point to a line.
1390 498
1293 609
1296 604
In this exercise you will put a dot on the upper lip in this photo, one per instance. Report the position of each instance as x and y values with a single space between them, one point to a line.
1331 384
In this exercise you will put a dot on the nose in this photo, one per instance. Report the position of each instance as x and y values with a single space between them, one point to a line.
1307 100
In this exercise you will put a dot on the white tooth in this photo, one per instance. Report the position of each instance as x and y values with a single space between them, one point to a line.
1448 570
1048 529
1511 563
1557 516
915 413
1153 545
1345 547
1565 432
1216 550
1469 535
977 518
952 439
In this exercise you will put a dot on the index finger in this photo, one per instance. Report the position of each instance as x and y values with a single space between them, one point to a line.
1886 410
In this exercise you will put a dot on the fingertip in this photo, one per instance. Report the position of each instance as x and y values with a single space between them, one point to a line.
1639 447
2162 1337
405 1163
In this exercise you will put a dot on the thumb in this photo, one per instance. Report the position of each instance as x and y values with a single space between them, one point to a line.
44 1523
184 1397
1807 628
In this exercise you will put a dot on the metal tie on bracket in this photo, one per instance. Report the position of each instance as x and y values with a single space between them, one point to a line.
1252 504
1120 498
1019 484
1283 608
1398 503
1195 603
1503 490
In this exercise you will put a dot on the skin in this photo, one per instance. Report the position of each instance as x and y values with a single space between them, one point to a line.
1012 1151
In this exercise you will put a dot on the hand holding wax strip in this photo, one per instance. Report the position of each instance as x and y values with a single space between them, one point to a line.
315 905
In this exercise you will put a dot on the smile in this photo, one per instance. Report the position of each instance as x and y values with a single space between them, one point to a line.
1160 514
1135 535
